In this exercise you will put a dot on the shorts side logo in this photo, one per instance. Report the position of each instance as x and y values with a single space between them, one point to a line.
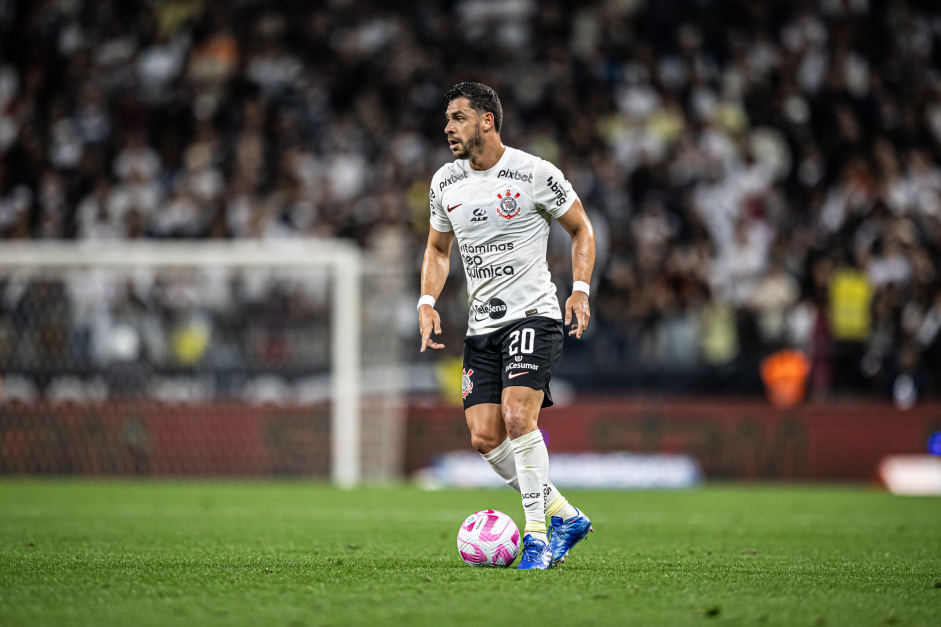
467 386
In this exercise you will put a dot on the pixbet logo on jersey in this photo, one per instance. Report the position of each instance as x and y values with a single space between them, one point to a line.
516 176
460 176
508 207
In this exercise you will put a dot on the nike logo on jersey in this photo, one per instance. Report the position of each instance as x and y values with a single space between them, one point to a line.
513 375
450 208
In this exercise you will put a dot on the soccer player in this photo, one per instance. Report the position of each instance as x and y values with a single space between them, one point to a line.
499 202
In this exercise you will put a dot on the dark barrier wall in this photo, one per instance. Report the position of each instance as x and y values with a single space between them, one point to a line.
734 440
166 440
731 440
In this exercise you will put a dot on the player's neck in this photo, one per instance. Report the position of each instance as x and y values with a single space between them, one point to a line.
489 155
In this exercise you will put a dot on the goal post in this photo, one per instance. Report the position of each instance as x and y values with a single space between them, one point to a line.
343 260
346 452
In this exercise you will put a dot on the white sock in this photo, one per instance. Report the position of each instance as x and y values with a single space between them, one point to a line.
532 471
503 461
564 512
539 535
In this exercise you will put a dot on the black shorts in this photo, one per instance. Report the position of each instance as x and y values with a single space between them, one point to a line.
521 353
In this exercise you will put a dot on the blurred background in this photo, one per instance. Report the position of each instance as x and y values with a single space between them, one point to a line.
764 179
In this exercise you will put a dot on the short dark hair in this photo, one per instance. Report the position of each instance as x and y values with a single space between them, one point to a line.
483 99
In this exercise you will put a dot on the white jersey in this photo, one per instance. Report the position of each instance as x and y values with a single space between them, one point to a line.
501 220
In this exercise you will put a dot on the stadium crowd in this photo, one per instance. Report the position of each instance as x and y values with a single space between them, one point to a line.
760 174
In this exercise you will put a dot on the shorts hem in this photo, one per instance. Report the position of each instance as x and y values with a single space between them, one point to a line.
477 401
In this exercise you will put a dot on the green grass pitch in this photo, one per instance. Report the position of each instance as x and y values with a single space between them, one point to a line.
292 554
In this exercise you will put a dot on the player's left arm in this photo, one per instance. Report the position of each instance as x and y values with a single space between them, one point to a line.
576 223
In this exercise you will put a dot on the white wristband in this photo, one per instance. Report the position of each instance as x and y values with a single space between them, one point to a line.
581 286
426 300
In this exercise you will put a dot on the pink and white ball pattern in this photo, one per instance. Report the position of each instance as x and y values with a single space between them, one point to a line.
488 538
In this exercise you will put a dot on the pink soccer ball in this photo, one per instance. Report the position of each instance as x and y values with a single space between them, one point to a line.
488 538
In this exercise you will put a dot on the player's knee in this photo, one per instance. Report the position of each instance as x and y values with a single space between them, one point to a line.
483 443
519 421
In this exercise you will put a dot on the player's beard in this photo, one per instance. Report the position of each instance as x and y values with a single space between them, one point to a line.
470 148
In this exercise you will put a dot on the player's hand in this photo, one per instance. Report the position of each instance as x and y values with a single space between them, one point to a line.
577 305
428 321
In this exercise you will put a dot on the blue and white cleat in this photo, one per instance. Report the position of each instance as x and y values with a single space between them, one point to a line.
536 554
564 534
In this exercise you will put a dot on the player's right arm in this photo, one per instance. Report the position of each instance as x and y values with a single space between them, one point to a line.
434 272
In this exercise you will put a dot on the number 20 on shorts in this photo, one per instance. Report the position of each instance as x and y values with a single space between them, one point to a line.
526 347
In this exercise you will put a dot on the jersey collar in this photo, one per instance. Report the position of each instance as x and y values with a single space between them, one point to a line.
465 164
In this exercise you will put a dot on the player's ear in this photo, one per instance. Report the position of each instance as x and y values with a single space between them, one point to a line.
488 121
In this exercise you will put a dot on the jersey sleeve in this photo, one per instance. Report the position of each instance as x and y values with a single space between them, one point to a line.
439 217
551 190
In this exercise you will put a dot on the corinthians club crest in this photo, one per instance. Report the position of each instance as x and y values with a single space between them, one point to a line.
508 207
467 386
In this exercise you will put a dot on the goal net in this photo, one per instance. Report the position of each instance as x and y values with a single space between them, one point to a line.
201 358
